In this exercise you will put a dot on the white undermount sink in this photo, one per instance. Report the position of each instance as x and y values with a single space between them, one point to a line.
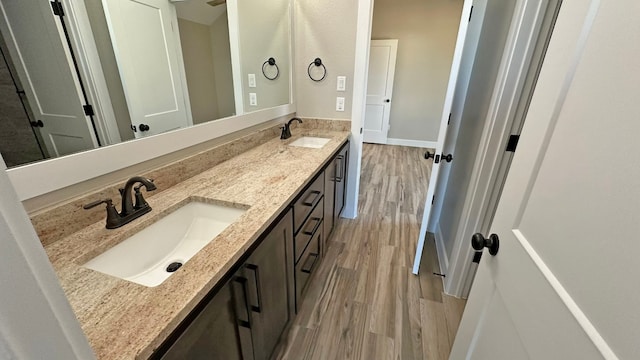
310 142
145 257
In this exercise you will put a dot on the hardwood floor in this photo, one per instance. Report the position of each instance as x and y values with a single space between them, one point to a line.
364 302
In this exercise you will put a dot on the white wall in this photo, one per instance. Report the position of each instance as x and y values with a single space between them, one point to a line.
263 29
426 33
195 41
324 29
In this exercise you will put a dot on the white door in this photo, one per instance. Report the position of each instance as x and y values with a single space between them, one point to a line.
50 83
444 120
564 282
382 67
146 42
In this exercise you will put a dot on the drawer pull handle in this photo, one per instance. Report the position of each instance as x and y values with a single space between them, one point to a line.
315 194
309 269
339 178
245 295
315 227
256 277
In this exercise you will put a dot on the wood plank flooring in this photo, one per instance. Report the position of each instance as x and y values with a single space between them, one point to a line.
364 302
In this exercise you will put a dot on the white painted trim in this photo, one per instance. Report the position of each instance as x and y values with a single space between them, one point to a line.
361 66
181 68
412 143
43 177
483 191
233 21
91 69
444 119
40 303
582 319
441 249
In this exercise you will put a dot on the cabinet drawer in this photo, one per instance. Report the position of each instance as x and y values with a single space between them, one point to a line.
307 265
308 230
305 203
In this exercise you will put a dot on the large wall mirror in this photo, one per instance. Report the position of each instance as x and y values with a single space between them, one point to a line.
79 75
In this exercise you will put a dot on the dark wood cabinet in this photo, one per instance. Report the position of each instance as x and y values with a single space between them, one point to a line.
265 280
341 160
245 319
213 334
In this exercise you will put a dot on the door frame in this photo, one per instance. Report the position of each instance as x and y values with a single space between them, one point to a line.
391 72
86 52
492 161
49 311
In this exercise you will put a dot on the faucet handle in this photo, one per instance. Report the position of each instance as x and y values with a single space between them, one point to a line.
98 202
112 213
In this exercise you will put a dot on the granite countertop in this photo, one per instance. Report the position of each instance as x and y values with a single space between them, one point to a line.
124 320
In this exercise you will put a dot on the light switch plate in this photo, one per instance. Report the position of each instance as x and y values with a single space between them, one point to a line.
252 80
339 103
342 83
253 99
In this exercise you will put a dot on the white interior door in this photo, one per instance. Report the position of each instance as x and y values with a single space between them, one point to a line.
382 67
562 285
146 42
41 57
444 120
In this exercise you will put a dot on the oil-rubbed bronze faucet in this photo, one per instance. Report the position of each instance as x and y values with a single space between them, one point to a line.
286 131
129 211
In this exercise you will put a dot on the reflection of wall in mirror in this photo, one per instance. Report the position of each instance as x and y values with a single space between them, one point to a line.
206 53
264 33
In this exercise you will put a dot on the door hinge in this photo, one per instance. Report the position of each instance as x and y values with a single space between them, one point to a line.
88 110
470 13
477 256
360 130
433 198
449 121
513 143
56 6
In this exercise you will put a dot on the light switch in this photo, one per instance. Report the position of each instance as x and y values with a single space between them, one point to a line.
339 103
253 99
252 80
342 83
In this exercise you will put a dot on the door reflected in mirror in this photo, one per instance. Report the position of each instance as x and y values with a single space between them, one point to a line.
79 75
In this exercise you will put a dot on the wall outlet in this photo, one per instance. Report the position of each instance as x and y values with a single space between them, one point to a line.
339 103
253 99
342 83
252 80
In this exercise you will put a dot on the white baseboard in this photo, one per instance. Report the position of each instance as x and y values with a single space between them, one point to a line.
412 143
441 250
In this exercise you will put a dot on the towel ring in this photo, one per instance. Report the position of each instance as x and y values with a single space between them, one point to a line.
271 62
317 62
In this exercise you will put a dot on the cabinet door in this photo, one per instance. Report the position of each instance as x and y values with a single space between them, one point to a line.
212 335
341 178
269 271
329 198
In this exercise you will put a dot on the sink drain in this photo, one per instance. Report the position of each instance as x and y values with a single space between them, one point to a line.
174 266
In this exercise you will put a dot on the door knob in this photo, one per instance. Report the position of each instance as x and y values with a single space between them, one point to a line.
428 155
143 127
478 242
387 100
447 157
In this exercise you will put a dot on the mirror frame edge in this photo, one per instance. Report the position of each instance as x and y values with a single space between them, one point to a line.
40 178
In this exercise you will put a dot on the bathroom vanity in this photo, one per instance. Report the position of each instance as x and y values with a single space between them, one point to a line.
235 297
